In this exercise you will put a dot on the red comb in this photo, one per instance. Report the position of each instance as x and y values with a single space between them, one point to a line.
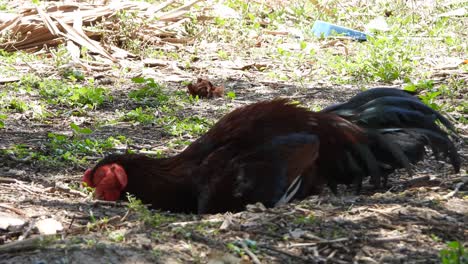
121 175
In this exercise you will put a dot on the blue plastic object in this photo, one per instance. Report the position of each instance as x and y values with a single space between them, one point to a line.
325 29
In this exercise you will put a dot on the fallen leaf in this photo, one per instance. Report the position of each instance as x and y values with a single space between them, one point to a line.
204 88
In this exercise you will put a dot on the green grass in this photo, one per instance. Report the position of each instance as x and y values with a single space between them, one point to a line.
61 150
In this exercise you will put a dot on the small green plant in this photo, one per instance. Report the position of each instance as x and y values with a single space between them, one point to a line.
139 115
96 224
235 249
435 238
64 148
150 94
3 117
223 55
381 58
78 130
70 94
237 246
188 126
20 152
18 105
73 75
429 98
307 220
117 236
455 253
61 149
231 95
145 214
90 242
419 86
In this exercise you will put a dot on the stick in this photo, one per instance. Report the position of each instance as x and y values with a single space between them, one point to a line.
7 180
387 239
250 253
304 260
214 220
27 231
27 244
16 210
452 193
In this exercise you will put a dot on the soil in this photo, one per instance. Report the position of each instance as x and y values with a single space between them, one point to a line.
408 221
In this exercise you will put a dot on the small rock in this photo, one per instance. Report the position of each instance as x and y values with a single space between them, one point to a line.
297 233
48 226
9 221
257 207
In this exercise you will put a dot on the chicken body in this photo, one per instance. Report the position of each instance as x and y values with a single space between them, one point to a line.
272 152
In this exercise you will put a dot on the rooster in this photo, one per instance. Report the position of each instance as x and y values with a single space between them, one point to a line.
275 151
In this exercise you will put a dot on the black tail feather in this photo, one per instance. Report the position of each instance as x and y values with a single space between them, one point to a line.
399 127
406 104
369 95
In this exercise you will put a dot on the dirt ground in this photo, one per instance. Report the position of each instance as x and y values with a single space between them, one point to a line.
409 221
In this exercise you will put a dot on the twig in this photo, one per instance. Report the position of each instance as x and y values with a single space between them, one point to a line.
250 253
214 220
27 231
67 190
332 254
27 244
16 210
417 180
387 239
302 244
325 241
69 226
7 180
21 186
125 216
455 191
318 242
102 202
304 260
206 240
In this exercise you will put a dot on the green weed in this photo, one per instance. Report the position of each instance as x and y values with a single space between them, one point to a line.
188 126
145 215
140 115
383 59
80 131
75 150
150 94
117 236
72 94
307 220
231 95
3 117
455 253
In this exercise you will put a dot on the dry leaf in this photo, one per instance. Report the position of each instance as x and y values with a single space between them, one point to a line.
204 88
